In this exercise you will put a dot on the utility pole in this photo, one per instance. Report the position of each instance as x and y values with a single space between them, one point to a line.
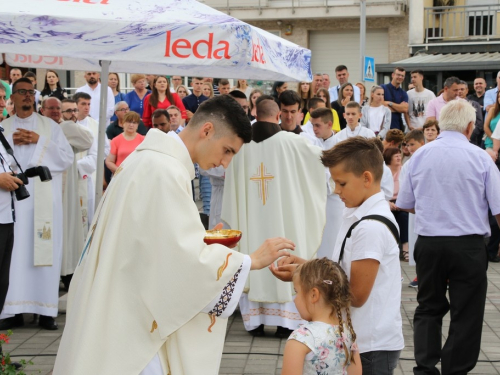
362 36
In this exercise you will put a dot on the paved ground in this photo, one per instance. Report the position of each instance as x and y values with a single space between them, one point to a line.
244 354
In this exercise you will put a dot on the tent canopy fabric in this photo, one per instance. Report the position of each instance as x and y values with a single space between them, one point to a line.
181 37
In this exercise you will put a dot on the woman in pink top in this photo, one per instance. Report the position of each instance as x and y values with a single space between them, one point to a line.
124 144
160 98
393 159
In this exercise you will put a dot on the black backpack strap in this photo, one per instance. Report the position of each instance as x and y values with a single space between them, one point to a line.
390 225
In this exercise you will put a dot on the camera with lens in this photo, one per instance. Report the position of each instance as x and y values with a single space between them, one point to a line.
40 171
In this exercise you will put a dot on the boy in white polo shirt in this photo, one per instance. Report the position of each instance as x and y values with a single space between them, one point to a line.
371 253
352 115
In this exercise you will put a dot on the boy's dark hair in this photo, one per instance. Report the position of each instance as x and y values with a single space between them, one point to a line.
430 124
290 97
226 114
223 82
325 114
357 155
263 97
161 112
399 68
339 68
81 95
389 153
378 143
20 80
353 105
238 94
416 135
417 71
313 102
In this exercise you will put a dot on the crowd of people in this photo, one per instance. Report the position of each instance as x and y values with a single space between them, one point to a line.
396 167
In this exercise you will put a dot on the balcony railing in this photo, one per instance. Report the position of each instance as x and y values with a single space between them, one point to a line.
459 23
228 5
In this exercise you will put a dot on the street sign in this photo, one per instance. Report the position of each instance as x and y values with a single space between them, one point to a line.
369 69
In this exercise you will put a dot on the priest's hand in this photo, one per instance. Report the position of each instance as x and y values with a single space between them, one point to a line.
9 182
24 137
286 267
269 251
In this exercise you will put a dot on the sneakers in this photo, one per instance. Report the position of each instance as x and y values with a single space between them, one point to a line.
414 283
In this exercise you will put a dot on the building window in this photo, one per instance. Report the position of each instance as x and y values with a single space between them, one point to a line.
480 25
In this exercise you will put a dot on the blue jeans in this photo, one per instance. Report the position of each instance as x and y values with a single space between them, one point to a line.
381 362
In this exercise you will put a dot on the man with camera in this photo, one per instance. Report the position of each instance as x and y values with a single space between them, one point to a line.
8 183
36 257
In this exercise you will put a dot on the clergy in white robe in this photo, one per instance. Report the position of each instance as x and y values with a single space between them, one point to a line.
87 163
75 229
37 253
276 184
93 88
149 296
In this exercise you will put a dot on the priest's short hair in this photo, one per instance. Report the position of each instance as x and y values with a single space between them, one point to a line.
357 155
226 114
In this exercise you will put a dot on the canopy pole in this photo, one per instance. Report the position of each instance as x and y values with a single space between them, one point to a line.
362 37
102 131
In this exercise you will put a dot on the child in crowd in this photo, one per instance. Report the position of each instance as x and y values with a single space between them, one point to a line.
327 343
431 130
414 140
352 114
371 253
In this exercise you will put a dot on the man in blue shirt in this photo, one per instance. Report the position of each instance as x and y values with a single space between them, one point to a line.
193 101
396 99
449 185
491 96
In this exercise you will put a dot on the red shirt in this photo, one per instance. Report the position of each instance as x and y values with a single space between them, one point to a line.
123 148
149 109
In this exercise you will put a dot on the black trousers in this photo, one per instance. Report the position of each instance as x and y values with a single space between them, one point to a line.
6 245
461 262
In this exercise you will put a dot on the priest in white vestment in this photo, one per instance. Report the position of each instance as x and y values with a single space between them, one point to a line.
149 296
75 228
87 160
37 253
274 185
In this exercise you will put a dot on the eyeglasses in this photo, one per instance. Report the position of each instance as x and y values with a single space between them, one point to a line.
123 110
68 111
24 92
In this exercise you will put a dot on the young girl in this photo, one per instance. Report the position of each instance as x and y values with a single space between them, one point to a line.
326 345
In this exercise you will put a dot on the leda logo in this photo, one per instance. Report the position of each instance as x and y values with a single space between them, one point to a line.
200 49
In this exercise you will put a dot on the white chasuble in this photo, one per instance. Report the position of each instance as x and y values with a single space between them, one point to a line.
275 188
34 289
146 275
75 226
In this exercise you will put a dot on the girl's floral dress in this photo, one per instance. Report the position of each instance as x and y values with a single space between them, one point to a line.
327 355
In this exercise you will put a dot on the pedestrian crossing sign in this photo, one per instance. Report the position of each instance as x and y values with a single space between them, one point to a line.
369 70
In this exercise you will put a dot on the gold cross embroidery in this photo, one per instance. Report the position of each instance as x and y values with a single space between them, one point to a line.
262 178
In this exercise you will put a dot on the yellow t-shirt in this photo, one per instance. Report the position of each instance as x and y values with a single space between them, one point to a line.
336 123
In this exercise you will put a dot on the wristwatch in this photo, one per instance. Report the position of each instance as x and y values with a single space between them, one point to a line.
390 104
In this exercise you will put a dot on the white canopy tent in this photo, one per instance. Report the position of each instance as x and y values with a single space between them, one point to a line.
175 37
